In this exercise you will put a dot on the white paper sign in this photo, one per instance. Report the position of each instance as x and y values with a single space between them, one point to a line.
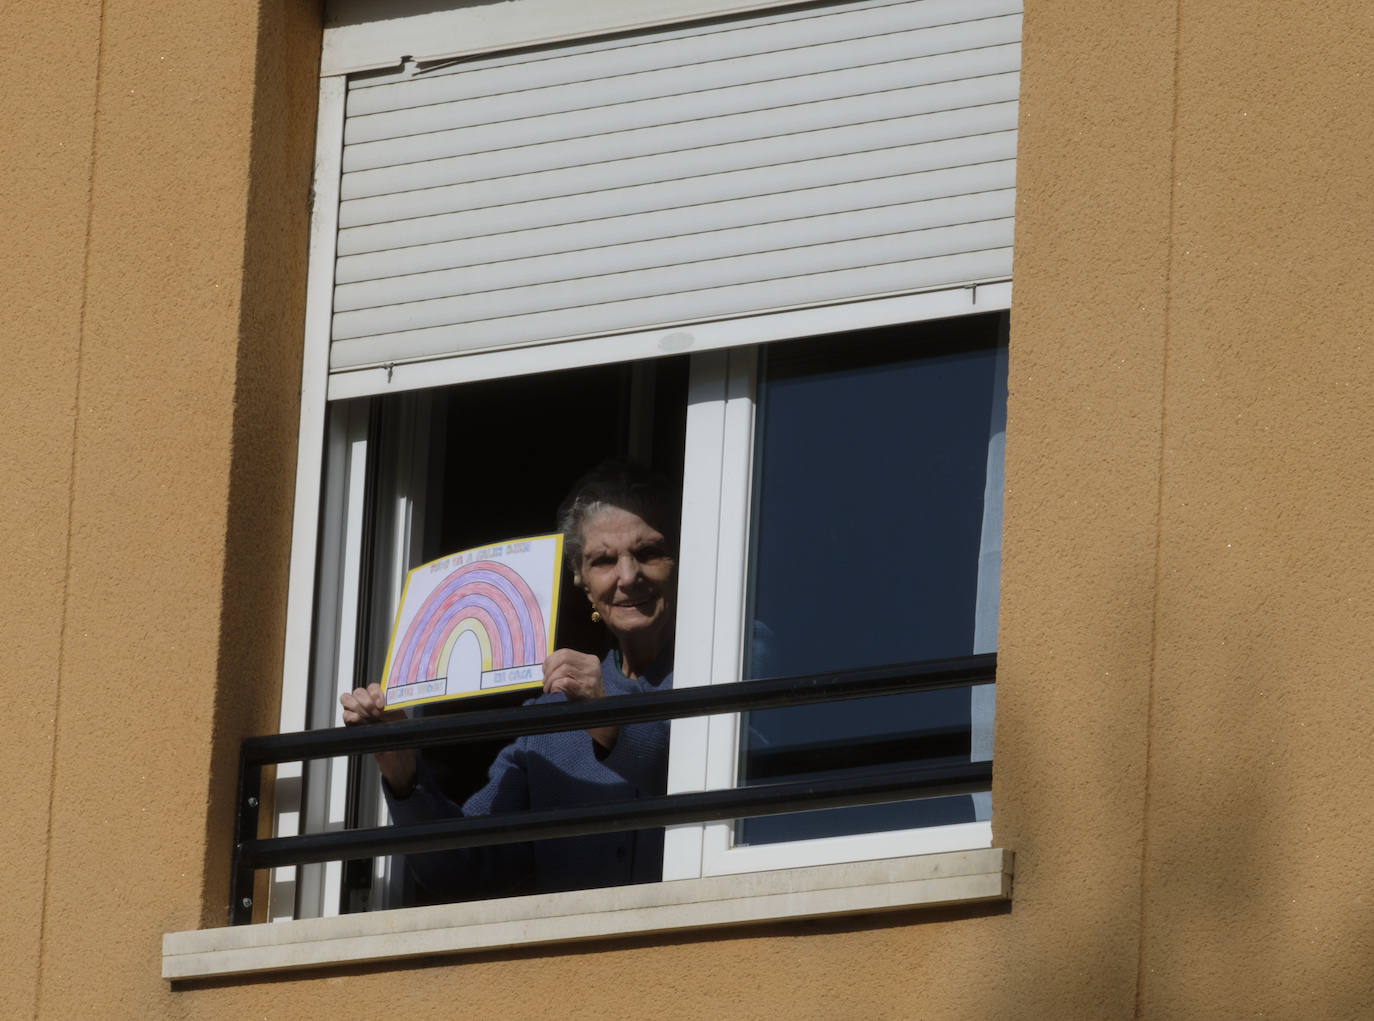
475 622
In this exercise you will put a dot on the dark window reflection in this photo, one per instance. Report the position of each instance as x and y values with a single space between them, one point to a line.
870 469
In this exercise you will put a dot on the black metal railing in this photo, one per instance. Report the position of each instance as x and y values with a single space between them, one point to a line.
848 788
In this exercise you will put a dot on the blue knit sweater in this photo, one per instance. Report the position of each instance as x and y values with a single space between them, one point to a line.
552 771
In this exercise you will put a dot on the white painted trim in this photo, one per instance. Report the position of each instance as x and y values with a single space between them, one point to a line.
357 38
928 881
991 296
342 659
719 853
696 595
314 373
295 693
852 847
317 886
736 485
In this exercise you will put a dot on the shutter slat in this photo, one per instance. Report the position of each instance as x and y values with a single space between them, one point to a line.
663 220
950 19
685 249
511 148
725 228
468 191
672 310
622 286
722 86
738 198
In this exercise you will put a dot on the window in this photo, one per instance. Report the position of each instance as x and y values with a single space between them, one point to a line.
859 524
872 459
870 493
766 249
410 477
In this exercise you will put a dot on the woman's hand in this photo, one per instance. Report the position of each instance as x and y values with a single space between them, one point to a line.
578 676
364 706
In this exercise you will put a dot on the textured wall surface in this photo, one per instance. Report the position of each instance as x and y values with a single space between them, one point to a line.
1080 545
1184 693
154 273
49 104
1260 817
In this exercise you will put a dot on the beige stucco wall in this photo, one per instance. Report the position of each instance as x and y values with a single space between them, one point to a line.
1261 761
1183 692
52 109
153 272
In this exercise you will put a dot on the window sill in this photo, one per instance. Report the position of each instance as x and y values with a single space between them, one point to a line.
931 880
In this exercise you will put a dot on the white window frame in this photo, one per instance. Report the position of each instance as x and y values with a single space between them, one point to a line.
704 753
290 885
714 552
325 561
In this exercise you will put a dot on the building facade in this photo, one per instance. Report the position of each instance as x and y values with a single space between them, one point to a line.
1185 551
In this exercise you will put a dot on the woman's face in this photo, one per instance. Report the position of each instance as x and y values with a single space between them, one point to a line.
630 576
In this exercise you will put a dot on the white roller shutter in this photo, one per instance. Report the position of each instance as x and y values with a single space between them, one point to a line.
712 171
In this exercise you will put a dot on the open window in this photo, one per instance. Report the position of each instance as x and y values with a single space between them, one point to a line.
414 476
768 253
857 487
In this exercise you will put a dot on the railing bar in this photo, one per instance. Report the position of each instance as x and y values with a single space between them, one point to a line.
621 709
670 809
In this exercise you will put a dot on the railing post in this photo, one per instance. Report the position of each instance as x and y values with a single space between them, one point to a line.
245 829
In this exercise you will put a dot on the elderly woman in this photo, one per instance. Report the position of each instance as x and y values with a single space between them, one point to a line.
620 527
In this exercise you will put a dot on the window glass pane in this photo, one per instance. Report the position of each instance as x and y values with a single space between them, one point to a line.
871 464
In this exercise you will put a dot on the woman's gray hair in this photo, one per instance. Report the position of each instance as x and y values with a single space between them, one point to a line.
623 485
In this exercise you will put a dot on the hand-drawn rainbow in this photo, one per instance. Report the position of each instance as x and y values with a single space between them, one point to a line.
485 598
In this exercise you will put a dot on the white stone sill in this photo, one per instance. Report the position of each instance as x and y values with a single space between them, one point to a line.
929 880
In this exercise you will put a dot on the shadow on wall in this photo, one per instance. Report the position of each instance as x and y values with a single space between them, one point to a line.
1258 821
1068 802
266 418
1248 899
358 12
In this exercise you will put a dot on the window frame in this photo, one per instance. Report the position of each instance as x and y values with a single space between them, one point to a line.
703 752
716 481
288 885
714 556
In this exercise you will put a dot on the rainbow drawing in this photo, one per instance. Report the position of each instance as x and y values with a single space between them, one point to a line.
475 612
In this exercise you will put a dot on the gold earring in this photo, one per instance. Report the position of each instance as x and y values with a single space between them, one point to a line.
596 617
